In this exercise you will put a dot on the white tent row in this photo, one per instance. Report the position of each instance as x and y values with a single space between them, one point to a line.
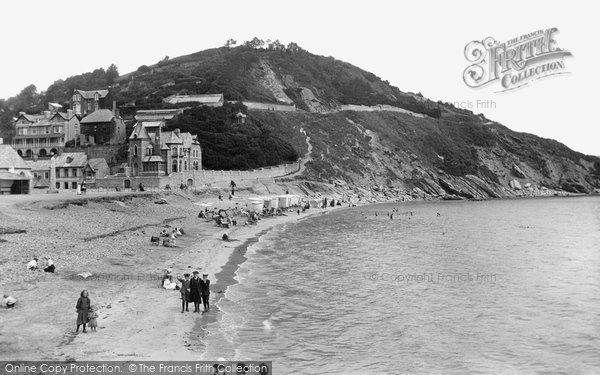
274 201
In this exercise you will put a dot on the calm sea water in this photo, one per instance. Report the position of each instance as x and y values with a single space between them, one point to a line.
510 286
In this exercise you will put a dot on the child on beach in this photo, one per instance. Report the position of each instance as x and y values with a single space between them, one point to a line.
93 315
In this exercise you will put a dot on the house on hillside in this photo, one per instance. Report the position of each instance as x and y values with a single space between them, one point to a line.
156 151
211 100
103 127
44 134
15 174
85 102
40 169
95 168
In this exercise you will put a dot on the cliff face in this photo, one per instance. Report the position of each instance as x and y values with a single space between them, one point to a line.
394 153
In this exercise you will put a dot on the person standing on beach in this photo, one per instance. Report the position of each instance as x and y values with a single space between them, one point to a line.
185 292
195 295
205 290
83 308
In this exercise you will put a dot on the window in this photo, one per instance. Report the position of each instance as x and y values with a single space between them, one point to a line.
58 129
89 106
47 130
74 185
96 106
66 185
96 97
135 150
149 150
58 185
46 175
33 131
74 172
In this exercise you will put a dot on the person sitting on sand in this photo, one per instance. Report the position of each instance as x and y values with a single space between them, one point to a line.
33 264
225 237
49 265
168 284
9 301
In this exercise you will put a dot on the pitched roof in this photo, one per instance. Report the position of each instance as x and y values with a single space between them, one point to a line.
71 159
171 137
90 94
97 163
157 114
10 159
153 158
13 176
139 131
101 115
39 165
32 118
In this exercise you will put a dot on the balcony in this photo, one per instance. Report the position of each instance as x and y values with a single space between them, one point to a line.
21 143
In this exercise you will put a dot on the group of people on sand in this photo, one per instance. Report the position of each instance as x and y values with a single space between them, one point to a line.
194 289
170 237
33 264
86 313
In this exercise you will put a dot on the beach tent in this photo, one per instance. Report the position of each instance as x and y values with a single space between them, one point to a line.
255 204
295 200
274 203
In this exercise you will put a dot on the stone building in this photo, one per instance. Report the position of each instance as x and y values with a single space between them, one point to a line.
153 150
44 134
85 102
102 127
15 174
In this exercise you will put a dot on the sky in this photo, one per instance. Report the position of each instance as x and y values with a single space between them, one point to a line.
417 46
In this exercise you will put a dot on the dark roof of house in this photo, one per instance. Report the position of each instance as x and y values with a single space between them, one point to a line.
101 115
97 163
10 159
90 94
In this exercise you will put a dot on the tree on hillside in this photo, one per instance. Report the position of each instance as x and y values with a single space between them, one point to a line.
7 130
230 43
112 73
255 43
144 69
27 100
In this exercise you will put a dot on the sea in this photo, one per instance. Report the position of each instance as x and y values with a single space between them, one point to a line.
444 287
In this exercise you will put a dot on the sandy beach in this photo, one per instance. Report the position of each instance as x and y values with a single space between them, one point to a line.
109 237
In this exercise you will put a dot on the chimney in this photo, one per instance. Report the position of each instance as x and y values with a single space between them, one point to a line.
47 114
70 113
21 113
176 131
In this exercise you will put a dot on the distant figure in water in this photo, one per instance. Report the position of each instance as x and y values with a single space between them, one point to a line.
410 213
375 213
392 217
439 214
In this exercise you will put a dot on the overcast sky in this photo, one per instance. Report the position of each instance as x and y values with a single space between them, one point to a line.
415 45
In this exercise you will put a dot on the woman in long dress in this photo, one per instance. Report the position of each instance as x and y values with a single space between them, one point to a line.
83 307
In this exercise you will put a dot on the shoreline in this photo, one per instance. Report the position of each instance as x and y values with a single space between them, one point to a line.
138 319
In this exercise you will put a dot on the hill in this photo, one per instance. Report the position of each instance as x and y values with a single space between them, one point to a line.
392 140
